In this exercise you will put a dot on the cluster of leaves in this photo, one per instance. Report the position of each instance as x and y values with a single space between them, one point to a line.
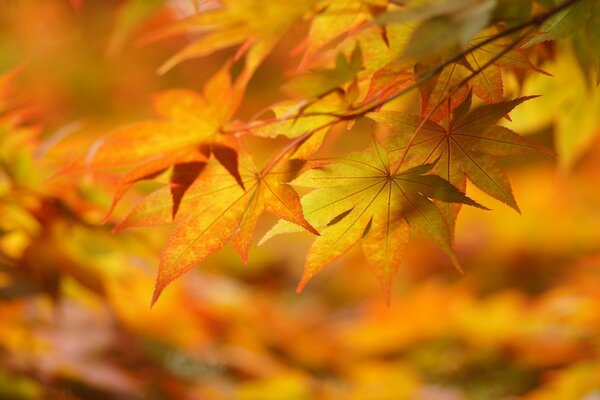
32 219
523 321
359 56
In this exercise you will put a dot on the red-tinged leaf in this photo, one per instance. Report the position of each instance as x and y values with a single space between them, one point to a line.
446 85
184 175
188 120
504 142
216 209
198 236
242 238
283 201
487 83
158 207
486 62
228 158
479 71
136 143
274 195
389 81
150 170
485 173
467 146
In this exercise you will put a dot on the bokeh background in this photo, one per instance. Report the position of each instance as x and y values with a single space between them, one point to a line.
523 322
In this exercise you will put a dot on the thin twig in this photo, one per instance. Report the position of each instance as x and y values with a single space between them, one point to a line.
456 88
532 23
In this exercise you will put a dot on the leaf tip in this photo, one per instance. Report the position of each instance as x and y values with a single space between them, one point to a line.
481 206
262 240
455 262
311 229
458 267
302 284
165 67
158 289
244 257
513 204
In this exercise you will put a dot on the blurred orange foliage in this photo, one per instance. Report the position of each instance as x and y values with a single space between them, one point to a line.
523 322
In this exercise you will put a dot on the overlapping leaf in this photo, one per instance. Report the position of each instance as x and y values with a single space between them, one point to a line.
375 196
467 146
327 96
567 21
186 119
445 25
581 20
253 24
479 71
366 195
215 209
337 18
320 82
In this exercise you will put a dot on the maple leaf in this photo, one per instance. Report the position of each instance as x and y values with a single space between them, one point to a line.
255 25
366 195
444 26
379 45
479 71
389 82
567 21
447 85
385 72
187 132
187 120
328 99
337 18
294 119
321 82
580 18
154 168
215 209
314 118
467 146
486 60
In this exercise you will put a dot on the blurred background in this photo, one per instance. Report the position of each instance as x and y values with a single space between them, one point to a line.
523 322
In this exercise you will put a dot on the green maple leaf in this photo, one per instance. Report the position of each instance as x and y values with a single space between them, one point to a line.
365 195
581 19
